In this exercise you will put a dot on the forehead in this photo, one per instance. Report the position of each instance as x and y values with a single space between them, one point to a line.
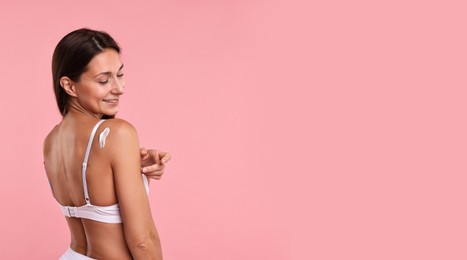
107 60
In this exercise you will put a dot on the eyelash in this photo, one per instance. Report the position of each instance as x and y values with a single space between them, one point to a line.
105 82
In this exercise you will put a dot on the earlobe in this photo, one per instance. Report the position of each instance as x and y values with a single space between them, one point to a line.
68 86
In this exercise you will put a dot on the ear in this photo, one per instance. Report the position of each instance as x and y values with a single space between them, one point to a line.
68 85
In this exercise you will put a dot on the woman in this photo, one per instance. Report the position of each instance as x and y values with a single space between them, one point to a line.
92 159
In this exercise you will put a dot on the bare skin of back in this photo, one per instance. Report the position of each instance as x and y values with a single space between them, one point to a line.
64 150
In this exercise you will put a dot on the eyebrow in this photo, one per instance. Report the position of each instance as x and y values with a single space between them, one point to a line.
108 72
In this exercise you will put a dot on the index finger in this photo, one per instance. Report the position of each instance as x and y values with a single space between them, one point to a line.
143 151
166 157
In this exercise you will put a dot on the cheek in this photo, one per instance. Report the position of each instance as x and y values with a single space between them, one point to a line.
98 91
92 92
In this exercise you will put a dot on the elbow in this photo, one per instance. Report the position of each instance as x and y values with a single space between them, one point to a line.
140 243
148 245
142 246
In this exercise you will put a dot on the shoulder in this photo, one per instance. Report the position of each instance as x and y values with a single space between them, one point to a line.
48 140
120 142
118 127
117 133
118 123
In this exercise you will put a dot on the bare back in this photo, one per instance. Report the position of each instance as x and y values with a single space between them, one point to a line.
64 150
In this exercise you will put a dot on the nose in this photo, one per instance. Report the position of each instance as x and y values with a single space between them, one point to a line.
118 87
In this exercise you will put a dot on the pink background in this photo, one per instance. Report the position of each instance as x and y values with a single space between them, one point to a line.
298 129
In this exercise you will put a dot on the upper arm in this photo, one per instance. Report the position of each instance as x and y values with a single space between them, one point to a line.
123 146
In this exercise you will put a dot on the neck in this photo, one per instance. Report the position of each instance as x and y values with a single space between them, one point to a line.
76 110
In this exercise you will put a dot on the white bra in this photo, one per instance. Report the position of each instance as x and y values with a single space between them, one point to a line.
106 214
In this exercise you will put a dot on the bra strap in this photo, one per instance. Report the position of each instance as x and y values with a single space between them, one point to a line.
85 162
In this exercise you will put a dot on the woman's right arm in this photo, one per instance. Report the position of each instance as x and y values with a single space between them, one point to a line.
140 232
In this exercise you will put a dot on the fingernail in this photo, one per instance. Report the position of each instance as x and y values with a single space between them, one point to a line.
145 170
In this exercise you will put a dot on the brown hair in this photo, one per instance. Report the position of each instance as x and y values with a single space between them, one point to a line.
72 56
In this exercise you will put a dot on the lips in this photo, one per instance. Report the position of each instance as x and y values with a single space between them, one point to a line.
111 101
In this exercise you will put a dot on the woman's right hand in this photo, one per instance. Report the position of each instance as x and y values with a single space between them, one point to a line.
153 162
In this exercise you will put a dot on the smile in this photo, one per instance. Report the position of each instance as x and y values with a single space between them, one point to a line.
111 101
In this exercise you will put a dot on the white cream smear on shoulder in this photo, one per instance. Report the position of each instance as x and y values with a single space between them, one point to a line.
103 136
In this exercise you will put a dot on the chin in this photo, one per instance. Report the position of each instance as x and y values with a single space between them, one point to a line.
109 115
